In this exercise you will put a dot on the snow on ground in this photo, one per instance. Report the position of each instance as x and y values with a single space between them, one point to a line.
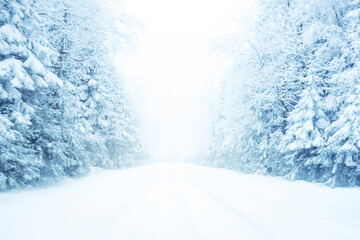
179 201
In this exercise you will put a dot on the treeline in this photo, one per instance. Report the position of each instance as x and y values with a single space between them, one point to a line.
291 105
62 109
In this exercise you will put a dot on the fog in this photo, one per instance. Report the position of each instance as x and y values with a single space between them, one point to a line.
174 72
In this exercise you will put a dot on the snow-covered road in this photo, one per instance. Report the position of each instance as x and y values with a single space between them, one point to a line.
169 201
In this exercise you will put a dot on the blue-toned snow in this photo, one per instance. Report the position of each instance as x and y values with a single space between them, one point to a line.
178 201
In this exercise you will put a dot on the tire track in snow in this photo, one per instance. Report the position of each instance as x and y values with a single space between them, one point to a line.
177 217
131 203
185 207
242 217
290 207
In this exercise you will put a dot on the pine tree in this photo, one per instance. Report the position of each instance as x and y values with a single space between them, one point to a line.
289 43
21 74
343 146
305 135
86 102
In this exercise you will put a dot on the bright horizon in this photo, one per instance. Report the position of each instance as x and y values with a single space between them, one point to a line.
173 72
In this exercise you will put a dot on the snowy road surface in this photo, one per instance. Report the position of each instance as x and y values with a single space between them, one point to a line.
169 201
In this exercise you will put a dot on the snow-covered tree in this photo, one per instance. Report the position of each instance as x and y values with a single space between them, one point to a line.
343 146
305 136
21 74
284 125
80 33
51 127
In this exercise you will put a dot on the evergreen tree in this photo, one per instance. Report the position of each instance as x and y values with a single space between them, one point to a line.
343 146
284 125
49 127
21 74
305 136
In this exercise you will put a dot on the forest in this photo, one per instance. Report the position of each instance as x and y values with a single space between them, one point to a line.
179 119
289 105
62 106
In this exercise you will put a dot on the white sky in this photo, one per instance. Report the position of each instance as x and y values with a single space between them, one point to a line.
170 75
